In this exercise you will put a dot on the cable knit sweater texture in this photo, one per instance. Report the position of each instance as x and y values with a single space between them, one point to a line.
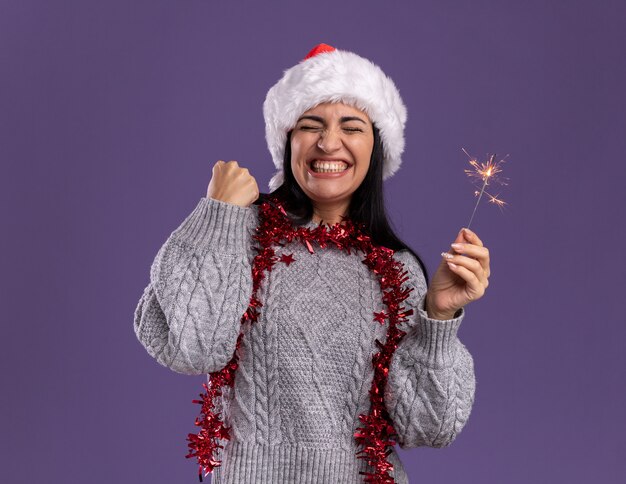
305 367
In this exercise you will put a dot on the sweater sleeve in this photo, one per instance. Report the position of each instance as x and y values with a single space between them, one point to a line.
431 381
189 316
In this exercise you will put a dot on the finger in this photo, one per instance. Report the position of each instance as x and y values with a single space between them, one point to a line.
471 237
474 251
471 264
460 237
474 289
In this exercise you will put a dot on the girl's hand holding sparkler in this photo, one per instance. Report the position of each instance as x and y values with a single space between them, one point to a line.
463 274
462 277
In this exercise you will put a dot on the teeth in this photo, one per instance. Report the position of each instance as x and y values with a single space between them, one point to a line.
329 166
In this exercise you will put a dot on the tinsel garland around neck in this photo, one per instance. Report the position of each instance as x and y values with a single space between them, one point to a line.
377 436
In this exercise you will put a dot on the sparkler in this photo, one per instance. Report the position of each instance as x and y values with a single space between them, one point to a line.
485 172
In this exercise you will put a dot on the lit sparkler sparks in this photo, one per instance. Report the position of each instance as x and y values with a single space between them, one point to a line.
485 172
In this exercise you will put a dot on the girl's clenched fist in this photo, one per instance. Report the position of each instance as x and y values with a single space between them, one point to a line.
233 184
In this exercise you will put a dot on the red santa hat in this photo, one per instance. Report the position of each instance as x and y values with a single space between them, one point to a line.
328 74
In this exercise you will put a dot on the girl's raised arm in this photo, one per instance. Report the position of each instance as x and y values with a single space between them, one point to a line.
188 317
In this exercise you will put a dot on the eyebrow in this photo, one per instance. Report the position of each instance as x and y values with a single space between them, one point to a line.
343 119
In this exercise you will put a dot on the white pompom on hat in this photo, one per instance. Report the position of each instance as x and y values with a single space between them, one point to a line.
328 74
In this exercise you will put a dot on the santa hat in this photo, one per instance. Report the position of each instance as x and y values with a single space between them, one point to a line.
327 74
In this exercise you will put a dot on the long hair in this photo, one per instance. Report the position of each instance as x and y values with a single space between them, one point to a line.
367 204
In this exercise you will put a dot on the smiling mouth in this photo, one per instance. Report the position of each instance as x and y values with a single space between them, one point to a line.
328 166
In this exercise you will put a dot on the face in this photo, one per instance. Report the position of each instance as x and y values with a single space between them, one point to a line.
327 132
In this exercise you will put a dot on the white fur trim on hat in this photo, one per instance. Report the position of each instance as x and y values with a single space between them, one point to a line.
335 76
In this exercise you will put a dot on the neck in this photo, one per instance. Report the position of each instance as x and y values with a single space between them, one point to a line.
330 214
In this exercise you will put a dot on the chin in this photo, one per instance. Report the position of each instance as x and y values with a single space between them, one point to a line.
328 196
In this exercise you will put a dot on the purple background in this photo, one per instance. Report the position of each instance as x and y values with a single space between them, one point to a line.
112 115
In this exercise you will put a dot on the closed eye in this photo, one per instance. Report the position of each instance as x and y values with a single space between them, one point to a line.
310 128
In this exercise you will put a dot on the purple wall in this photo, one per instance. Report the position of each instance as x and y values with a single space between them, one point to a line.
112 114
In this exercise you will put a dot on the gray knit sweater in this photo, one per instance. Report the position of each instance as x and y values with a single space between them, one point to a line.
305 367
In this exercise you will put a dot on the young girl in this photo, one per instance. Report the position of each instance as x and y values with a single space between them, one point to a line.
323 340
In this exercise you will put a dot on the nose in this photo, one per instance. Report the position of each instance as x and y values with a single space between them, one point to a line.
329 141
